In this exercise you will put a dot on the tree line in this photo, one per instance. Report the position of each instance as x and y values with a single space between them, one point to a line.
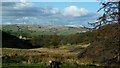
57 40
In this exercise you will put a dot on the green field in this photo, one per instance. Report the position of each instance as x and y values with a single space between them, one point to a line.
34 30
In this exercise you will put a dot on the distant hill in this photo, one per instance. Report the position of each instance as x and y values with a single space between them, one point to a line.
42 36
35 30
10 41
105 46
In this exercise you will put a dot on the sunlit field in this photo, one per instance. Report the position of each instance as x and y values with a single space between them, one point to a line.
40 57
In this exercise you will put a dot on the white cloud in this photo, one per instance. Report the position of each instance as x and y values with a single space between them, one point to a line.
22 4
74 11
28 13
25 18
55 10
24 1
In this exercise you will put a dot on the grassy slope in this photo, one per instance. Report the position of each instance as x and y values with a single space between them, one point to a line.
42 30
63 53
42 55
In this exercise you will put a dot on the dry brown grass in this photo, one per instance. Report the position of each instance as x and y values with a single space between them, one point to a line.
63 54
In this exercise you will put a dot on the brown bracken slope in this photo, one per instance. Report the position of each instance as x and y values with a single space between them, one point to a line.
105 46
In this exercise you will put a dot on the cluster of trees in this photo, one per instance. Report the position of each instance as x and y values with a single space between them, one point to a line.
56 40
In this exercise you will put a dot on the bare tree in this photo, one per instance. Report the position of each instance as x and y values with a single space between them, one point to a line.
111 14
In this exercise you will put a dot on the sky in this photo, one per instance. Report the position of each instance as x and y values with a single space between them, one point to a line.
50 13
92 6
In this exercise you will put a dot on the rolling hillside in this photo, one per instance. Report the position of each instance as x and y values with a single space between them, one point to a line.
42 30
42 36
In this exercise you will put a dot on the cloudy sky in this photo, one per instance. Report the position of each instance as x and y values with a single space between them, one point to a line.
50 13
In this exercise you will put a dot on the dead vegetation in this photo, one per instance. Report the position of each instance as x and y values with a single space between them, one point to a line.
41 55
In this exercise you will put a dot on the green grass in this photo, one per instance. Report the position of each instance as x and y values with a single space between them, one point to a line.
13 65
66 32
42 31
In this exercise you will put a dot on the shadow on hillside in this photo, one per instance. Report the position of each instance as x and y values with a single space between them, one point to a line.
10 41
